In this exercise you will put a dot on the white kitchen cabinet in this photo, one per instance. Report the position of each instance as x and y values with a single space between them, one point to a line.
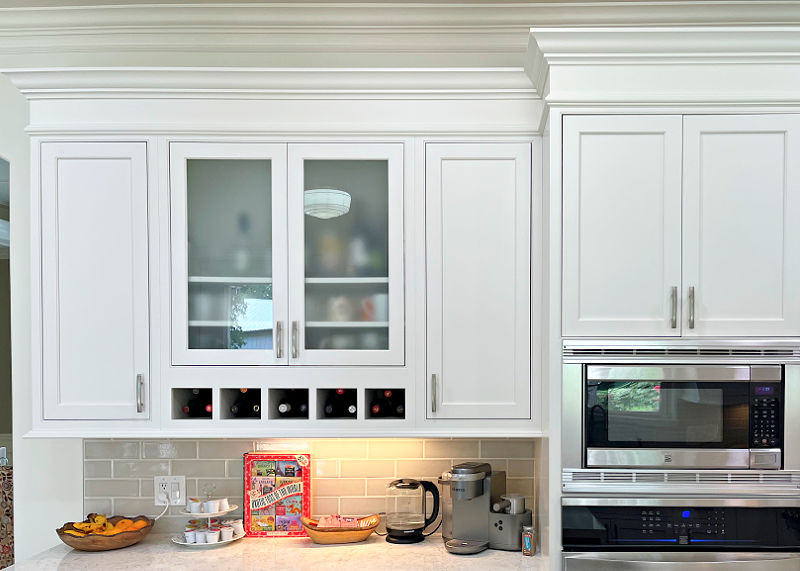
741 237
478 261
681 225
94 281
622 225
265 273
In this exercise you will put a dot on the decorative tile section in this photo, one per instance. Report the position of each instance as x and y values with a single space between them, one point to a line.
350 475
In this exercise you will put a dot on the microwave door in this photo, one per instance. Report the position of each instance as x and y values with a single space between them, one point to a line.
666 417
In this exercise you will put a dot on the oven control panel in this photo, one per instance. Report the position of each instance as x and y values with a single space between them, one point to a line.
766 415
690 528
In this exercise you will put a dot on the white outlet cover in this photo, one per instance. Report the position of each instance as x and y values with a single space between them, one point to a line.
175 486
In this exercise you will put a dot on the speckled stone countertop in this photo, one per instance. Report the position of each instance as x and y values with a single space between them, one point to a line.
156 551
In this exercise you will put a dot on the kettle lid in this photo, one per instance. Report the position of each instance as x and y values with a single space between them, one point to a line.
405 484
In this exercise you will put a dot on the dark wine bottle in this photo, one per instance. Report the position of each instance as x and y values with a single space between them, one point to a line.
293 404
198 405
339 404
388 405
247 405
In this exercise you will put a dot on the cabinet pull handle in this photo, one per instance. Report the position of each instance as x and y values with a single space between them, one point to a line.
674 296
433 392
691 307
294 340
139 393
279 340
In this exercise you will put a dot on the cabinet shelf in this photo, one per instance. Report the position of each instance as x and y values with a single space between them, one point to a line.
347 324
366 280
224 323
228 280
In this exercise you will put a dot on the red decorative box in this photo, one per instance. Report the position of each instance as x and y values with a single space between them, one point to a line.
277 492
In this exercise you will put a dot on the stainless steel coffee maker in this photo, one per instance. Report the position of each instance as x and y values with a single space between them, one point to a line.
469 491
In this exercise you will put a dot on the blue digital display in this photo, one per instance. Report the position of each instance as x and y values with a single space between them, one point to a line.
764 390
686 514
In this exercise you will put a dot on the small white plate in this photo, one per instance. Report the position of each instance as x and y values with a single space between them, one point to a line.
178 539
234 507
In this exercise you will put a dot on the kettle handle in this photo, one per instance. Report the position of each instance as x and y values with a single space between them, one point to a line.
431 488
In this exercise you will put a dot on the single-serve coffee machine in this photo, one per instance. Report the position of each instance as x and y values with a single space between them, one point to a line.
477 513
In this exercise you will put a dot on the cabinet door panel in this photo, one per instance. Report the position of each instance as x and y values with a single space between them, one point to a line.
346 268
741 239
228 232
478 217
622 225
95 330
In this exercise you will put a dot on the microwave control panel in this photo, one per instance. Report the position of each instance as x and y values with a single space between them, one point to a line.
766 414
680 528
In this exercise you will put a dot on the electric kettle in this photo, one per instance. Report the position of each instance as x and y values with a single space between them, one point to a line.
406 514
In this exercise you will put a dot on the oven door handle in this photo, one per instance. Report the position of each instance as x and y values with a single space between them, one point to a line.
680 561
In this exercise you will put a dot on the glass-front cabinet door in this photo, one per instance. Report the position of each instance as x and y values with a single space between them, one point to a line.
345 206
228 236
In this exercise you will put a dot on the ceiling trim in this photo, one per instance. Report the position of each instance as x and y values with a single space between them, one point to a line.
688 65
271 83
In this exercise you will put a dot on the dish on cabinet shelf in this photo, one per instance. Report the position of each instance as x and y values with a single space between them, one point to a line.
177 539
209 515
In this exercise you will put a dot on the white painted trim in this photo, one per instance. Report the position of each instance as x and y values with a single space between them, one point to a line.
271 83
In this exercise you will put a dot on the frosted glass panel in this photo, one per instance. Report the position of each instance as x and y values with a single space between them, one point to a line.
347 259
229 220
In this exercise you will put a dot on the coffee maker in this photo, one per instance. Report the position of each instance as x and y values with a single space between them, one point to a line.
476 512
468 492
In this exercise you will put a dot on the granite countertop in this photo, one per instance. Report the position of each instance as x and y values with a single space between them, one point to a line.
156 551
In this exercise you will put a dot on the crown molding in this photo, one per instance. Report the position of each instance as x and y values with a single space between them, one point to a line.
700 65
228 33
271 83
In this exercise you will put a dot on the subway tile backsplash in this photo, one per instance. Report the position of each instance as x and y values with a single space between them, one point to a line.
350 475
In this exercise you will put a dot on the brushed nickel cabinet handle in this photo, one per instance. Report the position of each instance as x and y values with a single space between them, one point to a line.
294 340
139 393
674 296
433 392
279 340
691 307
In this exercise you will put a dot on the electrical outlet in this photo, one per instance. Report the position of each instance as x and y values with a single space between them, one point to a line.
173 486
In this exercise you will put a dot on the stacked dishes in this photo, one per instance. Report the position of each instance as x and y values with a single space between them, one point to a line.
208 531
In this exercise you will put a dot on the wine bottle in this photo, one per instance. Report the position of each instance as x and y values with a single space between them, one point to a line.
293 405
198 405
339 405
246 405
387 405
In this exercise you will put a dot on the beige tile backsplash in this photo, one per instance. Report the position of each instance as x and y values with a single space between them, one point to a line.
350 475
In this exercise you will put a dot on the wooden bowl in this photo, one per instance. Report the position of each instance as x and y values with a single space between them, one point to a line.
329 535
94 542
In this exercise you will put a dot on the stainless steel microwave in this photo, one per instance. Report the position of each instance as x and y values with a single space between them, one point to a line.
677 416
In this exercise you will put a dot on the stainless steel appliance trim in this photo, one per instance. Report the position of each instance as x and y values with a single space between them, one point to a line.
791 422
140 393
668 458
682 561
691 307
699 502
673 322
279 340
572 416
765 458
672 373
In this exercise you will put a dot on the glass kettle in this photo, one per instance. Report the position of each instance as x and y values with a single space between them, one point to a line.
406 517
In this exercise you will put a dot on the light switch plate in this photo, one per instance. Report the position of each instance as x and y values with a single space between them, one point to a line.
175 486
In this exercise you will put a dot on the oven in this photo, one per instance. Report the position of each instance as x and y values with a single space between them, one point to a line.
681 416
617 533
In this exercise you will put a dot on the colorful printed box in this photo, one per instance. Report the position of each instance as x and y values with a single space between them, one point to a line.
277 491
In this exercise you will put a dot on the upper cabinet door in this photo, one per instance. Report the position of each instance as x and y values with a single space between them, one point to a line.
741 237
478 250
95 292
622 225
346 254
228 233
